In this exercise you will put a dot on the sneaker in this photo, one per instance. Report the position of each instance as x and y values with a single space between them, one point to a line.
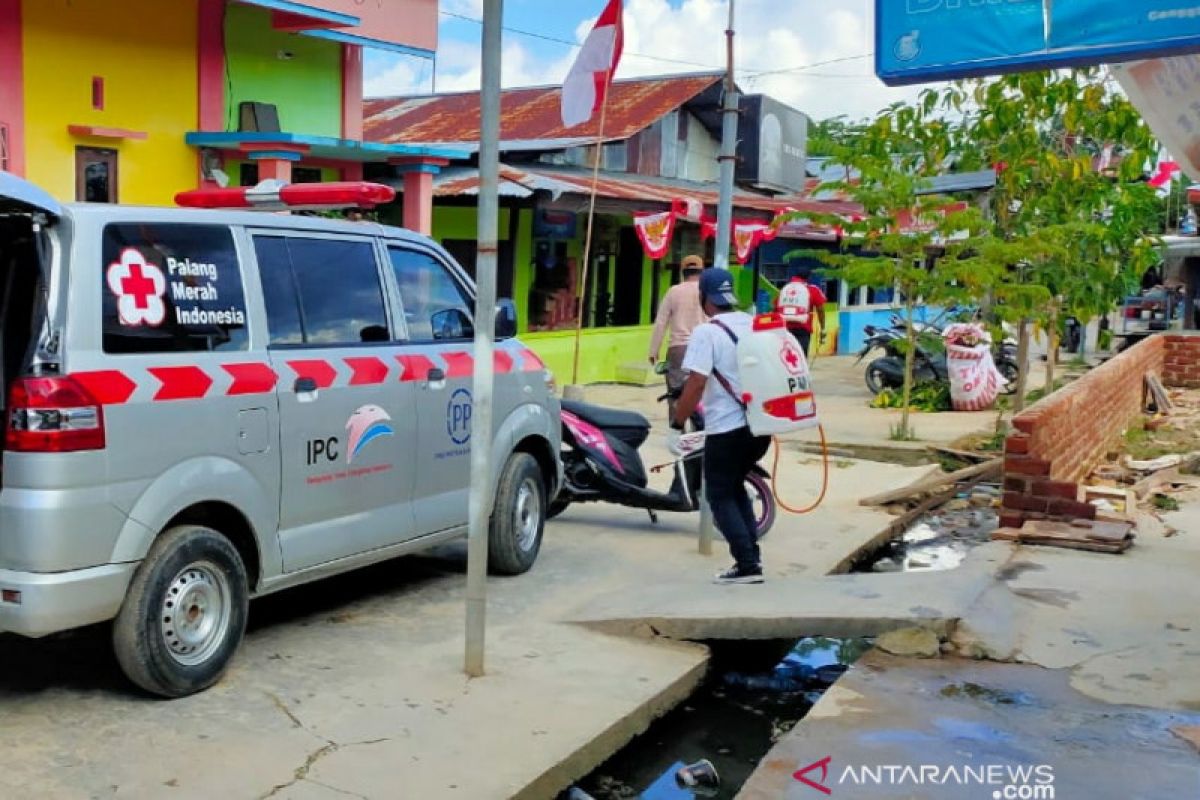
735 574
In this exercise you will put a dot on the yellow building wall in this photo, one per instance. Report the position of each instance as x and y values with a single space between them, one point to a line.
146 52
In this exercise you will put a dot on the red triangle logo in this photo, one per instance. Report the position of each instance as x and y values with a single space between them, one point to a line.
823 765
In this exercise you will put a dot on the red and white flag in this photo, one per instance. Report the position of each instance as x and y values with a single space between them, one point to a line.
1164 174
590 76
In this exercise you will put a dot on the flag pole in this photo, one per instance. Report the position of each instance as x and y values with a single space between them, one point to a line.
581 301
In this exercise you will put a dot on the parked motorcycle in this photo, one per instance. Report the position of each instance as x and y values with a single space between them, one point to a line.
601 463
887 371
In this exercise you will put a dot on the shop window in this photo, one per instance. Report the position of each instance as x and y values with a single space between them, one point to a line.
95 175
552 294
248 174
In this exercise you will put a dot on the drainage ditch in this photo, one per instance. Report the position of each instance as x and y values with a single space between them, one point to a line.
940 540
753 694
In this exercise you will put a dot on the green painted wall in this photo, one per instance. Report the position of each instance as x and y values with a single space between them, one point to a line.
307 88
233 168
607 355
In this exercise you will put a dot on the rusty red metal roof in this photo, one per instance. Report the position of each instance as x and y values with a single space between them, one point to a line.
653 192
528 114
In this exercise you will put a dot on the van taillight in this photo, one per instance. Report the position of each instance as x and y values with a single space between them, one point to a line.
53 415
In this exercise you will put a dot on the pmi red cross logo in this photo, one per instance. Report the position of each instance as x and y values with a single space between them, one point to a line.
822 765
791 356
139 287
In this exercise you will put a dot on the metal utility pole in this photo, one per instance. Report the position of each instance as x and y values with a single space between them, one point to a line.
728 159
485 331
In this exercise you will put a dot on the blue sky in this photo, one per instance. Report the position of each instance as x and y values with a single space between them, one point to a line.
662 37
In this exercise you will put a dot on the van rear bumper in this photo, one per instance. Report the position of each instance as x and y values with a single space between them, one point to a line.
58 601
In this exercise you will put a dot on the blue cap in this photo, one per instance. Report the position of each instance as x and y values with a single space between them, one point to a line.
716 286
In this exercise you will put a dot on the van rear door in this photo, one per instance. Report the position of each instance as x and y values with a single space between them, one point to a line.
19 196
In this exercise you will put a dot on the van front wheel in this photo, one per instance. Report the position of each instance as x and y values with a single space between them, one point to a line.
184 614
518 517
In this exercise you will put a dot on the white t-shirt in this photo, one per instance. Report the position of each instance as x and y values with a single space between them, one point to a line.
712 346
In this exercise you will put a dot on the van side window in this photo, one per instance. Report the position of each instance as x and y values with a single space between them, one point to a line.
321 292
435 307
171 288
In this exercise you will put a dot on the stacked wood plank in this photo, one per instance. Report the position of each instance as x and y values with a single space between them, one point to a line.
1095 536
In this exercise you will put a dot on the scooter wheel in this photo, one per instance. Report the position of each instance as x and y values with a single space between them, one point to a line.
763 501
875 377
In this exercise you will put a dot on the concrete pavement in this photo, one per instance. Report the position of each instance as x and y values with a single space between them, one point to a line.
353 686
843 404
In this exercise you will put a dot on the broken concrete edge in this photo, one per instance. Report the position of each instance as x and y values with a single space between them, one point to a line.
695 629
607 743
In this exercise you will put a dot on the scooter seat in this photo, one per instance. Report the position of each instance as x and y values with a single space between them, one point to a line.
629 426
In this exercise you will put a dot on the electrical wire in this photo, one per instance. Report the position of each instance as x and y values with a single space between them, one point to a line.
628 54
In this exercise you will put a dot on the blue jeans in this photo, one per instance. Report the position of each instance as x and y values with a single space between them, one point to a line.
728 459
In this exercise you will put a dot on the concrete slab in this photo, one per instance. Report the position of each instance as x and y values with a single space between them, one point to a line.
934 716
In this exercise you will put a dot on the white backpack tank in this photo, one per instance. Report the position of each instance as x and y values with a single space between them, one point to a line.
795 303
776 385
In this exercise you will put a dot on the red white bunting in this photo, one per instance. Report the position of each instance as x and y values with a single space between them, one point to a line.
654 230
748 235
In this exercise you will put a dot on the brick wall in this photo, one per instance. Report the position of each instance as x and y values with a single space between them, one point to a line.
1181 362
1058 441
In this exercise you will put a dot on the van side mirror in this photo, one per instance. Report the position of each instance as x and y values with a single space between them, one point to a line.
506 319
451 323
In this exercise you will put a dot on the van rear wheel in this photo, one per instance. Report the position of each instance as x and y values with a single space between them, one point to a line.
519 516
184 614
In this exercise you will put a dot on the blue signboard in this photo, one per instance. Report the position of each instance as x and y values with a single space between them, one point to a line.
918 41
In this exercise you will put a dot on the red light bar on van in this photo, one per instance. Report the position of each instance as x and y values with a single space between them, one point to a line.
279 196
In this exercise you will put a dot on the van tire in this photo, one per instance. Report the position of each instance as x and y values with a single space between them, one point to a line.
519 516
158 650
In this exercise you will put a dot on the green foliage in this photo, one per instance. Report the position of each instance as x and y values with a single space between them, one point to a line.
932 396
1164 502
1037 394
902 432
830 136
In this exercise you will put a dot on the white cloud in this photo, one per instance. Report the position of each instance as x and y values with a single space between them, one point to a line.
771 38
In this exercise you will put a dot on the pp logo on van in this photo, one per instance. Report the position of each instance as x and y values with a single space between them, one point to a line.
139 287
458 417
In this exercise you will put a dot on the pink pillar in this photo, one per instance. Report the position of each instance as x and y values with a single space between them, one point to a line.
352 92
418 174
418 201
12 80
274 169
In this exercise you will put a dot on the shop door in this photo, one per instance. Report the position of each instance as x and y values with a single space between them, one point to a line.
627 297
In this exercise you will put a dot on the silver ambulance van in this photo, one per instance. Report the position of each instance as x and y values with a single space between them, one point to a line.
207 406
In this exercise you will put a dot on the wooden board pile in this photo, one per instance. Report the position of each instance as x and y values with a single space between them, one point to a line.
1095 536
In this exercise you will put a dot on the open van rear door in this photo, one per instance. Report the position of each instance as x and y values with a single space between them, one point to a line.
19 196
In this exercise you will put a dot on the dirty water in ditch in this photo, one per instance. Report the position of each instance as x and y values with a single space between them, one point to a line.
941 539
753 694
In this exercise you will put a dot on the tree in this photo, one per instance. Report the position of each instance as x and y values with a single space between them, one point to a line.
924 261
830 136
1067 215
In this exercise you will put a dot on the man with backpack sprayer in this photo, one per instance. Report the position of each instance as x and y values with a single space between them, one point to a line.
730 449
797 303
